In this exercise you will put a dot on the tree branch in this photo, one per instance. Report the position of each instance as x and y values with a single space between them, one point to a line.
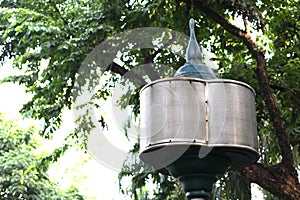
275 179
266 91
148 59
58 12
247 29
131 75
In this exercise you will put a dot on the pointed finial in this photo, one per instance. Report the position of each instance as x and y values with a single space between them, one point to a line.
193 52
194 66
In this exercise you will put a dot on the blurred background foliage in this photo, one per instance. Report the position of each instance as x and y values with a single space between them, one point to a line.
21 175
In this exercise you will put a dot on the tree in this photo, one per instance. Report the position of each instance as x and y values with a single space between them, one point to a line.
21 175
62 33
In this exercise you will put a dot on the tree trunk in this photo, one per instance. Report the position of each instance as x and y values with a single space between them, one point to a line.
275 179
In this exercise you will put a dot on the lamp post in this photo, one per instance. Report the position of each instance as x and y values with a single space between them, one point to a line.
197 126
